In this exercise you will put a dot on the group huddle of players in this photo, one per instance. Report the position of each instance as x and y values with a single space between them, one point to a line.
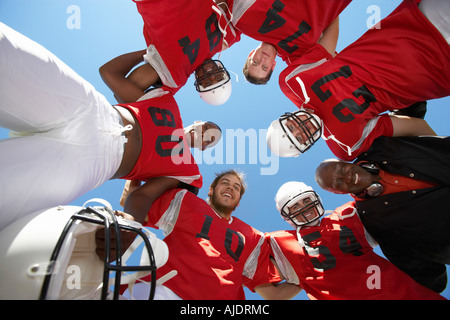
372 90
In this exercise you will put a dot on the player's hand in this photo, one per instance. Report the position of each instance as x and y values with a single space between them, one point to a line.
127 238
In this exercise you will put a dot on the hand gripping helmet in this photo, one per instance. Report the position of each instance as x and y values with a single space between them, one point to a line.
50 254
296 203
281 140
219 91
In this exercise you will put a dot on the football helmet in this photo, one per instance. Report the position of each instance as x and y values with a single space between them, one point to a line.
216 93
281 139
298 204
51 255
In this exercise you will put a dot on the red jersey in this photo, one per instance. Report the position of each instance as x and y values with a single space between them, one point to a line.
164 148
292 26
180 35
334 260
213 256
405 61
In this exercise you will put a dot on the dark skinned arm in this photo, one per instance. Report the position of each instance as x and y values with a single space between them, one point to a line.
137 206
139 201
128 87
409 126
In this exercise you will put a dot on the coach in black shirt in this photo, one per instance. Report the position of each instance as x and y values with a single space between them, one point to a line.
402 190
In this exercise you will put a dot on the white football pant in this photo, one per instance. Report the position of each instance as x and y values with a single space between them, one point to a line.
65 136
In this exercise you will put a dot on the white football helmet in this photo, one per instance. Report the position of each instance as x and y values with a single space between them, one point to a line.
296 203
51 254
281 140
216 93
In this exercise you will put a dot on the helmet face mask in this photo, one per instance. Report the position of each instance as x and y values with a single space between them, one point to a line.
212 70
106 218
311 135
307 209
51 254
298 204
213 82
294 133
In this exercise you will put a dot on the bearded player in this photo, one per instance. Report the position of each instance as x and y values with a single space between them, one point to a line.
213 252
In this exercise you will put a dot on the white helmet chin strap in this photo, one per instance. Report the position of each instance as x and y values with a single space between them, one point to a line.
306 100
305 94
237 77
314 223
331 136
299 238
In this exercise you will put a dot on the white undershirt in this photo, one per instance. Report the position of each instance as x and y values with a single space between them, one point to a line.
438 13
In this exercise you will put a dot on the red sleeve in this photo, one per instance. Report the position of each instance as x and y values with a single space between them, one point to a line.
382 128
315 56
159 207
265 272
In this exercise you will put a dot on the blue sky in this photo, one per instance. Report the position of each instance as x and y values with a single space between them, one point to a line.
85 34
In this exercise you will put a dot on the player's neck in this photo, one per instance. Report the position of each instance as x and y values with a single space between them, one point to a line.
226 215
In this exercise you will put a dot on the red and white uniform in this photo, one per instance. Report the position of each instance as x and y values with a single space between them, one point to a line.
405 61
334 260
164 148
180 35
213 256
68 137
292 26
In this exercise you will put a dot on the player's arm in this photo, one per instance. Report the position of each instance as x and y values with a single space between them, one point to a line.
330 37
144 76
278 291
128 87
139 201
137 205
410 126
130 186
